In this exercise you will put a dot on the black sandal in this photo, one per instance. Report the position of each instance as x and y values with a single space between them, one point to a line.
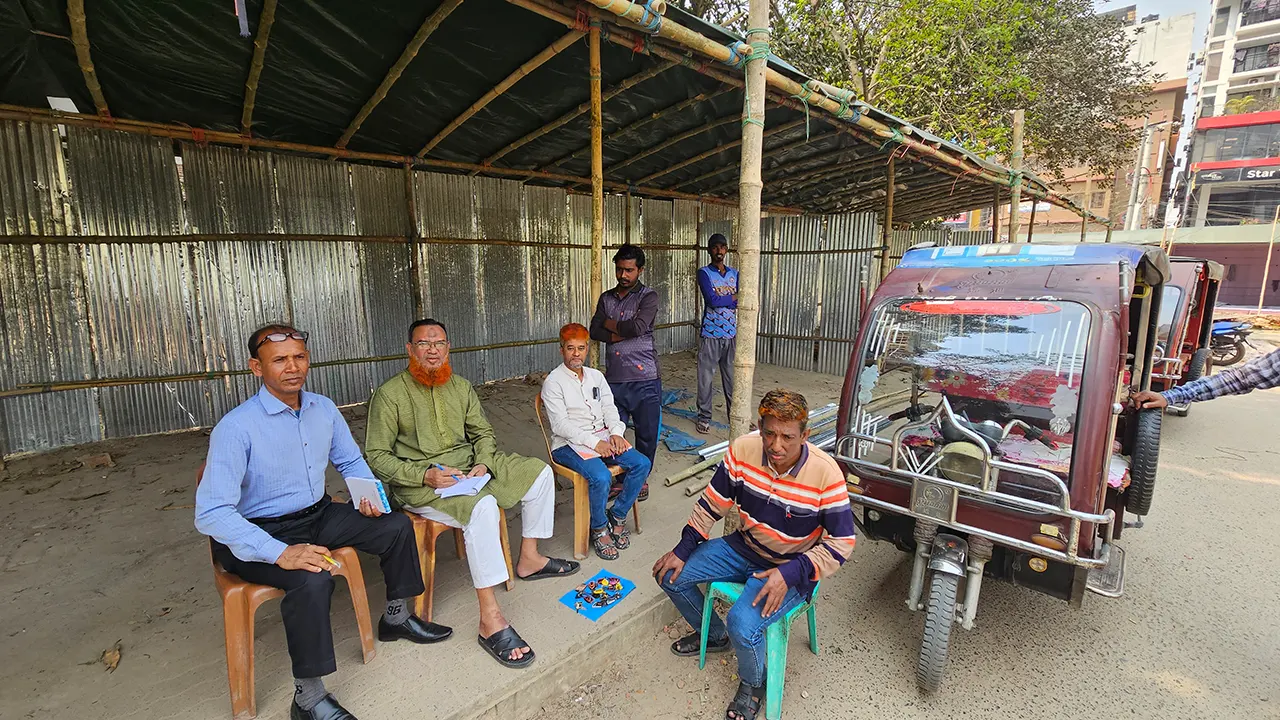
555 567
503 643
688 645
621 536
746 703
603 543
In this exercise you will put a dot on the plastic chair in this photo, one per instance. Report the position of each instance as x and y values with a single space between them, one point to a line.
427 531
777 635
581 492
240 599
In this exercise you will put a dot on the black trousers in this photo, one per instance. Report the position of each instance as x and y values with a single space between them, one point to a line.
305 607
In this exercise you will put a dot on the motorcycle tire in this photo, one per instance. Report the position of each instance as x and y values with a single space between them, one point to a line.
1143 461
1201 362
1228 355
939 619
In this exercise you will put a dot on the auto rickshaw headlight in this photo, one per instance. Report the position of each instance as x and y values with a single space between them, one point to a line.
962 462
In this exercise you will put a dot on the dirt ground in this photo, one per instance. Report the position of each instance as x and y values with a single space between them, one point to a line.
95 558
1196 635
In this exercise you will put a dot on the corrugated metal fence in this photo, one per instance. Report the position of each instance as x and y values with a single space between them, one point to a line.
501 263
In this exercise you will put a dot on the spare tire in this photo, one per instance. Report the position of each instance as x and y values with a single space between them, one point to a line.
1143 461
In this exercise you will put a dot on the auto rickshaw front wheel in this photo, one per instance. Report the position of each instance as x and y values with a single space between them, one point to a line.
1143 461
939 619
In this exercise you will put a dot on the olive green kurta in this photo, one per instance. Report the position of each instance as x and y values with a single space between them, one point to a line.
412 426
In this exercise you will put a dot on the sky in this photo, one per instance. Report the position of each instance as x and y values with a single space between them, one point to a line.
1169 8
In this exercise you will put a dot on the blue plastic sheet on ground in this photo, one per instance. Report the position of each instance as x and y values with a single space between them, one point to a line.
571 600
690 414
680 441
672 396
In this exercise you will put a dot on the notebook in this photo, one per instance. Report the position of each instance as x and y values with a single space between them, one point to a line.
361 488
465 486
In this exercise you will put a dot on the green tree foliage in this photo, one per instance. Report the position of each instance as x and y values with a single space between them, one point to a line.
958 68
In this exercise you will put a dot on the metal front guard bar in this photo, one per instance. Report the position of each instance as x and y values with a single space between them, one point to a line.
1013 502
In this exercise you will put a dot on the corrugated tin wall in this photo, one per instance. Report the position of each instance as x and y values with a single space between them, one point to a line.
98 310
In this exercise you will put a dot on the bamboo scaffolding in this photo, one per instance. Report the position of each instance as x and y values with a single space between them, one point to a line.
630 127
215 137
532 64
62 386
677 139
429 26
918 193
879 134
886 219
579 111
787 87
806 181
947 206
597 175
80 40
783 148
785 127
265 20
412 208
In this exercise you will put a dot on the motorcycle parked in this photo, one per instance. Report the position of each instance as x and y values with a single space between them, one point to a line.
1228 341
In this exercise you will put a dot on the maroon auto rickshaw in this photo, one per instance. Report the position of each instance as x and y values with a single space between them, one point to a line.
1183 351
985 426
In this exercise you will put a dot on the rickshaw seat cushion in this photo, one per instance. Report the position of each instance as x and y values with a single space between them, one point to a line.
777 635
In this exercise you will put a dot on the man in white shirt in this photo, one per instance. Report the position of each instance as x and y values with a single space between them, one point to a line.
586 437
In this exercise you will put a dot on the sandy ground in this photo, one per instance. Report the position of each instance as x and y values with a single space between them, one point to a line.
1197 634
92 557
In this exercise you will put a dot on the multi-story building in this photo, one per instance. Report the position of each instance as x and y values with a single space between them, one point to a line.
1235 153
1132 195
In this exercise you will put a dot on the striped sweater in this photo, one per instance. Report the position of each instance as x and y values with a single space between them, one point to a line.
800 521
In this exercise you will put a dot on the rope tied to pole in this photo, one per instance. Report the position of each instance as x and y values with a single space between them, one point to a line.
759 51
736 59
895 138
804 100
582 22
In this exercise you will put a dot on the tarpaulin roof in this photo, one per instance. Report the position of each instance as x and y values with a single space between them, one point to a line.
675 129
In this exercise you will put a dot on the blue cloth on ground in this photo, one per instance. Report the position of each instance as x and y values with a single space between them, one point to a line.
680 441
570 599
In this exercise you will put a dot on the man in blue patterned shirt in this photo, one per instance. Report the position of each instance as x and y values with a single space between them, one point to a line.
1257 374
719 285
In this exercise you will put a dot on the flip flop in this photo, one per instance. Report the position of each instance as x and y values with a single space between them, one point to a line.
689 645
502 643
555 567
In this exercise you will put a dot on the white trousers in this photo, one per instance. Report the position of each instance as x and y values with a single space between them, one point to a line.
484 546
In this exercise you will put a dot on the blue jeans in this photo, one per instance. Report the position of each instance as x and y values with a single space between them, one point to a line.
599 479
715 560
640 403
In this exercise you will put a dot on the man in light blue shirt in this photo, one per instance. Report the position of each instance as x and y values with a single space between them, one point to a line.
262 502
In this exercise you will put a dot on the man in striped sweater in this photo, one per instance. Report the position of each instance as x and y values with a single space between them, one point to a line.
797 528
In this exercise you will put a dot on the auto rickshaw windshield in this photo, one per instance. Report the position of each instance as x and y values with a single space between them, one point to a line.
994 360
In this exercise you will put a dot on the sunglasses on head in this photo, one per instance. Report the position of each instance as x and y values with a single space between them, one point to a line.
280 337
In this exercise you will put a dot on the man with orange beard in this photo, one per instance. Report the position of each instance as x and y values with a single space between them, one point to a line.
426 430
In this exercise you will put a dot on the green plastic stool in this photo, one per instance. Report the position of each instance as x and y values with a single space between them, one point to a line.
777 635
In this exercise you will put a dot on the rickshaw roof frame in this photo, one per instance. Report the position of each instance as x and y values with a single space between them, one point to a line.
1151 262
1215 269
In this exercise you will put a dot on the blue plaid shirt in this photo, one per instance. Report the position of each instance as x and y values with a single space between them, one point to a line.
1257 374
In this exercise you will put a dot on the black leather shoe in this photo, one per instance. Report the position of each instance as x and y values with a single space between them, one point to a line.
413 630
328 709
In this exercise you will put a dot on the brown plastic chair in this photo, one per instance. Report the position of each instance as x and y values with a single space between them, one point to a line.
427 531
581 491
240 599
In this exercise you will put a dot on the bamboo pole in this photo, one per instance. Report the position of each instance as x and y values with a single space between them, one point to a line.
215 137
633 126
1266 268
429 26
836 180
788 170
942 207
1084 221
677 139
886 229
785 147
689 472
580 110
822 99
1031 228
826 172
715 151
597 177
920 193
995 219
748 241
1170 239
80 40
1015 164
532 64
412 206
265 21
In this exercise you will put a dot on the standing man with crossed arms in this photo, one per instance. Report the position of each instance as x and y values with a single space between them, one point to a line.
719 286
